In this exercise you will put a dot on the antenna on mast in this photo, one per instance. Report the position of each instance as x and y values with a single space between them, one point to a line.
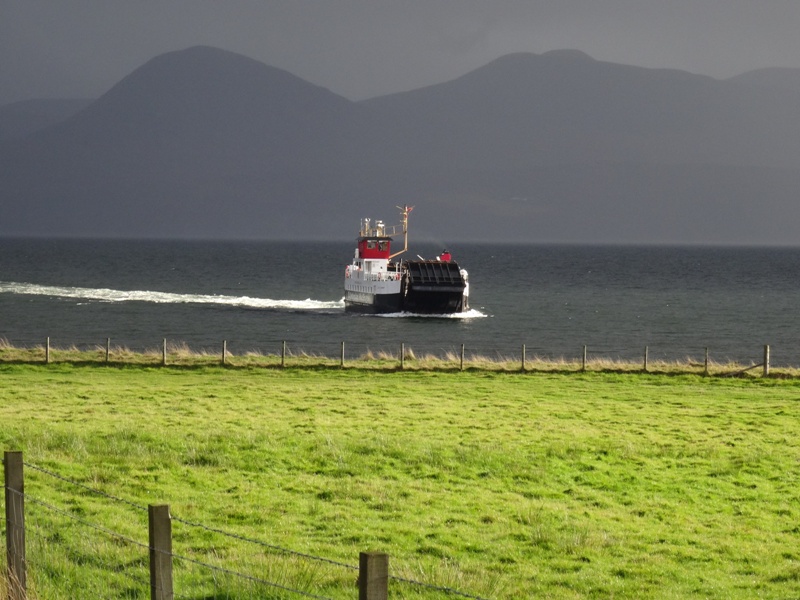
404 210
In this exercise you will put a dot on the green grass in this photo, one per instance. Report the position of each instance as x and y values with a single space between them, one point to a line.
497 483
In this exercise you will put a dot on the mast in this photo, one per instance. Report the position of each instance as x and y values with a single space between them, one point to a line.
404 210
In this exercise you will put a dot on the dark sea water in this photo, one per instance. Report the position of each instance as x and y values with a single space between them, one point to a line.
553 299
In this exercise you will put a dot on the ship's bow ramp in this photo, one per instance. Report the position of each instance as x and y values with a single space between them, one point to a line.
434 287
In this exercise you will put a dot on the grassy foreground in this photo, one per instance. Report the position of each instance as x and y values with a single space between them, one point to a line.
498 484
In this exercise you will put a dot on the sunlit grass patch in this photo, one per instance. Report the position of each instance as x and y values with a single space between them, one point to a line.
505 484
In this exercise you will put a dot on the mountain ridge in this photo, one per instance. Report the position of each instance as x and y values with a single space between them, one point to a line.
783 78
207 143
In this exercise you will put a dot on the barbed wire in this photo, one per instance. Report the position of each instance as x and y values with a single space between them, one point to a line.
265 544
109 532
191 523
42 532
254 579
84 486
69 515
149 548
436 588
248 577
217 531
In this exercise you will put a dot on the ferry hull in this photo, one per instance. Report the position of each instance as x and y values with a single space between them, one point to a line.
434 302
435 287
363 302
418 302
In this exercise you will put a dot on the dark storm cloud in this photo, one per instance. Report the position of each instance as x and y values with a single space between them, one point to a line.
361 48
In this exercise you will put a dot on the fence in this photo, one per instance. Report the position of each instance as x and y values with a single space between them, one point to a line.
372 572
180 354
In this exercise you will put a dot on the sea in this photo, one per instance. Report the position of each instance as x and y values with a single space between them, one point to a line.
553 299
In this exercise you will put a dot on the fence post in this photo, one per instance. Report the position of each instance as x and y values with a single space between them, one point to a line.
15 525
224 351
645 358
164 353
523 357
766 360
373 576
705 366
402 355
341 362
283 354
583 359
160 528
47 351
108 348
462 357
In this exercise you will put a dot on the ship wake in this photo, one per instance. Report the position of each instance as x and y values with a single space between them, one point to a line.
109 295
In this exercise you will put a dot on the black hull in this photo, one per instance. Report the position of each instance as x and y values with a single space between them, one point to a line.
434 302
423 304
416 301
434 287
380 303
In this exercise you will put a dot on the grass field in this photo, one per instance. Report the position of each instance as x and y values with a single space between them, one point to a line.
498 484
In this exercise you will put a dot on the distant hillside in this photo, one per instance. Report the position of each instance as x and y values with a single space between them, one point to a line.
566 108
533 148
201 142
780 78
23 118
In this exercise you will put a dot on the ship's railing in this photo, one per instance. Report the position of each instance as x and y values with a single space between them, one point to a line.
380 230
381 276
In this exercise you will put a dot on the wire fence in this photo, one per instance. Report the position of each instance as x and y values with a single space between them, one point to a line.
69 554
285 353
77 547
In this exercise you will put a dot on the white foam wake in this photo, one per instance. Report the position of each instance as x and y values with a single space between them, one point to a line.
107 295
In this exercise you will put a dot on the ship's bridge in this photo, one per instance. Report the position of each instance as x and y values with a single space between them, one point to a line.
374 247
374 240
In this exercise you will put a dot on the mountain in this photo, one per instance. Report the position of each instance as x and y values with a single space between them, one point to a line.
780 78
564 107
528 148
20 119
562 147
200 142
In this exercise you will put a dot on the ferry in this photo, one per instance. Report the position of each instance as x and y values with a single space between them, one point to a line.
375 282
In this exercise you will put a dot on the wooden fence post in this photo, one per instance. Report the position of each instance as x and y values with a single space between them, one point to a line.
462 357
766 360
224 351
164 353
373 576
583 359
283 354
402 356
341 362
523 357
108 348
705 365
47 351
160 528
15 525
646 349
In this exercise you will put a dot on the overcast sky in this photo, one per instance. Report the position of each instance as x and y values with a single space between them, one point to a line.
363 48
